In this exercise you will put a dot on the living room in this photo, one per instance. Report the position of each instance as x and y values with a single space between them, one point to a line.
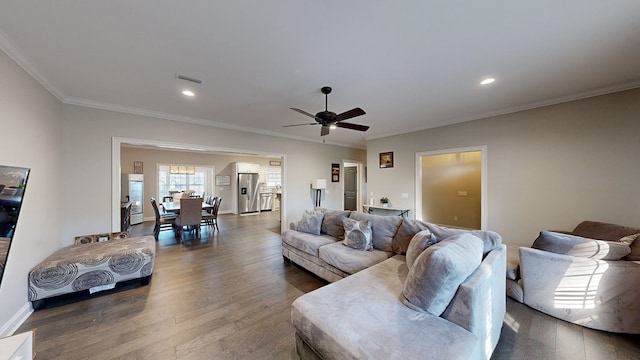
549 166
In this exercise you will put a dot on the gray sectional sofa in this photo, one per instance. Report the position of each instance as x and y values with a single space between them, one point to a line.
367 311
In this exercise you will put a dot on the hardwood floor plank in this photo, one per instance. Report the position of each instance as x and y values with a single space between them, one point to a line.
228 295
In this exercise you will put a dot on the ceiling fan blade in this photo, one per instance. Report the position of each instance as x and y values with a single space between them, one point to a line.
325 130
303 112
300 124
350 114
351 126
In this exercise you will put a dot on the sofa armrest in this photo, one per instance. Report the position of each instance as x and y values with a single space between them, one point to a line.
589 292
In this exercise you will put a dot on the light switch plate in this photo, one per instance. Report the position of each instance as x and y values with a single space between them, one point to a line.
404 195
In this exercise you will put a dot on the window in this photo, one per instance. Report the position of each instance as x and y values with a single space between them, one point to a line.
274 176
200 182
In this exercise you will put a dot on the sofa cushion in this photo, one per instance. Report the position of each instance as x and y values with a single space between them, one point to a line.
332 223
305 242
436 274
362 317
408 228
603 231
420 241
383 228
490 239
357 234
350 260
567 244
311 222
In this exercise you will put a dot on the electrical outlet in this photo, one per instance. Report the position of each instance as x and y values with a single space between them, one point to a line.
404 195
455 218
462 193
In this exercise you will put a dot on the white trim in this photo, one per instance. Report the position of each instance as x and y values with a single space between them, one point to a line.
117 142
483 179
16 320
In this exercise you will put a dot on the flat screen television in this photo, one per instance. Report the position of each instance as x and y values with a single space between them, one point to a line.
13 182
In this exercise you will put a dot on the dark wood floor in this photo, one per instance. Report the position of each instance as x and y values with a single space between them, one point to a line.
228 296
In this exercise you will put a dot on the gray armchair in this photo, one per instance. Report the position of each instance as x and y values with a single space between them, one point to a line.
578 278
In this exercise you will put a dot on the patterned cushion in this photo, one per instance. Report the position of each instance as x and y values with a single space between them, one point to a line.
96 238
418 244
383 228
437 273
311 222
357 234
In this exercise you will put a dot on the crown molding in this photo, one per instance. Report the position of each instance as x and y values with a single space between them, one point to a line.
188 120
515 109
15 53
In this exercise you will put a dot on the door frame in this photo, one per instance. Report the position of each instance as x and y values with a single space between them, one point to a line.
117 142
483 179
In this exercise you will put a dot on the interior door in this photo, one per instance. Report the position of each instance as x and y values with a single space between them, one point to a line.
350 188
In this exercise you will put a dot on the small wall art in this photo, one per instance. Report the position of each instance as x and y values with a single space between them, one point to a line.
137 167
386 159
335 172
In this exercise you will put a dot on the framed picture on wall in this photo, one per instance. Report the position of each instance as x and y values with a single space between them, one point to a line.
335 172
386 159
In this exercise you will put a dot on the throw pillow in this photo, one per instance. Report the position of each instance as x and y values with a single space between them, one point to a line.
437 273
573 245
357 234
405 233
634 243
490 239
332 223
311 222
382 228
420 241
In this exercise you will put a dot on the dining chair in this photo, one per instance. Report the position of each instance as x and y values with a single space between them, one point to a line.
190 215
165 221
211 218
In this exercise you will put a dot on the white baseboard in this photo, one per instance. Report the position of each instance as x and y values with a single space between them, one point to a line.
16 320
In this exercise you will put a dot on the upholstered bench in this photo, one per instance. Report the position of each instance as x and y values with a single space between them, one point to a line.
94 263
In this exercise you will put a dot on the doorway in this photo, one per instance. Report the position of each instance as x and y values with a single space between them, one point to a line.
353 185
451 187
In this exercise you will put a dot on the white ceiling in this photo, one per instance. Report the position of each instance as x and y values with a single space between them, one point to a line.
409 64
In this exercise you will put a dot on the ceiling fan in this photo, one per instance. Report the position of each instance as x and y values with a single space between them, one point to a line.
329 119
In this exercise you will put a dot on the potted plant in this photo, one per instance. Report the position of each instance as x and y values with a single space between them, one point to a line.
384 201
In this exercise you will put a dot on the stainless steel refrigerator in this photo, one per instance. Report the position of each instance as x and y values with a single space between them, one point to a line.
133 190
248 193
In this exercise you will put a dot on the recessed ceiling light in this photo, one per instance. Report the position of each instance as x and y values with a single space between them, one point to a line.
188 93
487 81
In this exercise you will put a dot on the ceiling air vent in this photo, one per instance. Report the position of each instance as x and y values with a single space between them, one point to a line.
188 78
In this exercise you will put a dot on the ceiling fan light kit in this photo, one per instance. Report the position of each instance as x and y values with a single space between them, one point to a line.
330 120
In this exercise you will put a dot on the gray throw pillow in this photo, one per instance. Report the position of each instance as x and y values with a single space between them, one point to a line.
437 273
572 245
405 233
332 223
311 222
357 234
420 241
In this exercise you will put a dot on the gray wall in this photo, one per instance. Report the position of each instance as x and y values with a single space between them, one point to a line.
548 168
30 119
86 152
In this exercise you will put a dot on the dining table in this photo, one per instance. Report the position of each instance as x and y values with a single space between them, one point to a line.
174 207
